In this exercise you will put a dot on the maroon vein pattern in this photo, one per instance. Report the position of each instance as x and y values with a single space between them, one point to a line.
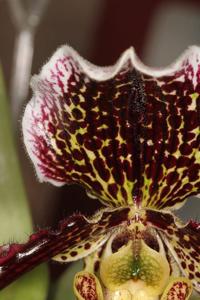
75 236
87 286
130 139
184 240
179 289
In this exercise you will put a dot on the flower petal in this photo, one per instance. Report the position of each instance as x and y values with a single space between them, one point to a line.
76 237
149 271
126 133
172 136
179 289
87 286
182 240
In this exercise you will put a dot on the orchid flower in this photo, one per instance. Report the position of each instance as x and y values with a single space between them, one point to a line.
130 136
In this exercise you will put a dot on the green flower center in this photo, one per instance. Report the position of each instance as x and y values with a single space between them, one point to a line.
147 271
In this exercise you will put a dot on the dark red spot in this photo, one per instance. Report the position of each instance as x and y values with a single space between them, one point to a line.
60 144
191 276
185 149
93 144
193 173
184 161
124 193
76 99
78 155
191 267
170 161
73 253
112 188
191 120
175 121
172 178
118 176
101 169
80 138
87 246
197 274
164 192
63 257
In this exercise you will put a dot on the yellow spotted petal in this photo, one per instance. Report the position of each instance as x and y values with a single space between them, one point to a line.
128 134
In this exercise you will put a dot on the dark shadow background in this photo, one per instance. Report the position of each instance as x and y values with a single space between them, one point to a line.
99 30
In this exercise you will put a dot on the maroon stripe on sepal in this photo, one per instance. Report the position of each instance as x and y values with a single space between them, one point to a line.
72 234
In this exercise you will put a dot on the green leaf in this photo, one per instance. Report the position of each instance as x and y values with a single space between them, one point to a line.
32 286
64 287
15 219
195 297
14 212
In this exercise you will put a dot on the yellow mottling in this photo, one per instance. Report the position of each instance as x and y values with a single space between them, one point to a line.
193 105
82 130
186 238
147 183
117 95
197 156
105 143
150 142
128 186
98 95
103 126
96 109
141 140
82 99
90 154
83 89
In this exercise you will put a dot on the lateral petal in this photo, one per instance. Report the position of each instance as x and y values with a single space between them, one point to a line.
182 240
87 286
178 288
75 238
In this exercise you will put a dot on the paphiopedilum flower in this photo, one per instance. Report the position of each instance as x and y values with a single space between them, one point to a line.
131 136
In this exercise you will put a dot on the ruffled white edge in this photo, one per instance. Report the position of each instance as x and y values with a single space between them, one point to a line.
192 55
